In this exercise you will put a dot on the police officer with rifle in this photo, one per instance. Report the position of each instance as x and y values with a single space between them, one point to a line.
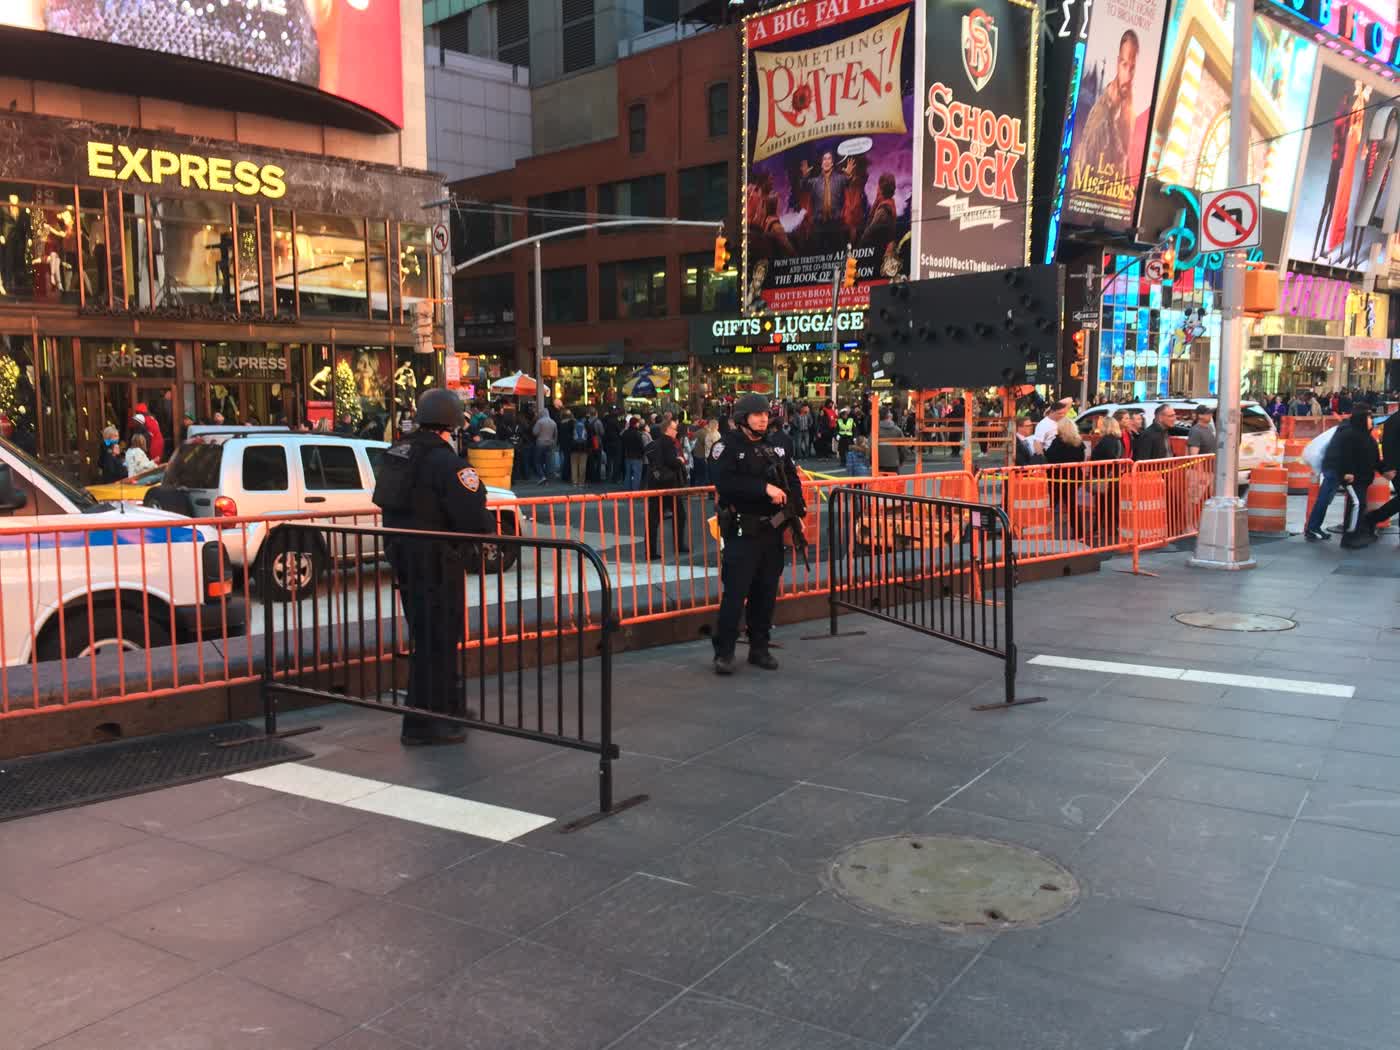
760 498
424 485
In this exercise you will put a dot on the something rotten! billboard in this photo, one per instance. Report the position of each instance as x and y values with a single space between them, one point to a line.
828 153
979 76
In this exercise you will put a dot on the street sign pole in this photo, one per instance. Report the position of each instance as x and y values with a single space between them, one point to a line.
1223 539
1084 367
835 303
539 338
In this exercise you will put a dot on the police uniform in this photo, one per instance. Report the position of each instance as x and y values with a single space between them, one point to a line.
741 470
423 484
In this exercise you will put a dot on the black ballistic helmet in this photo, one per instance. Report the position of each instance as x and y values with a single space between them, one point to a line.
440 410
748 405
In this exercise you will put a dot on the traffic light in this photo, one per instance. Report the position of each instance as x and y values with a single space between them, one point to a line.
849 281
721 254
1169 264
1076 363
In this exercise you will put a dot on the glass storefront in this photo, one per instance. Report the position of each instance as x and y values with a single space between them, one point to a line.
655 386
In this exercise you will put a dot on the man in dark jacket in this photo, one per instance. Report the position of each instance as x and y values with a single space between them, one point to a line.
1390 464
1350 461
666 470
1154 443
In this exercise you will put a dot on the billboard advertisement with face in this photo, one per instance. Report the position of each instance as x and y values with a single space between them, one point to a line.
1112 111
1191 127
346 48
828 153
1346 192
977 139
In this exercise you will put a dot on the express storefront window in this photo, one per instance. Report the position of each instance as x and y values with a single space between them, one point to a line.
92 245
19 417
137 258
194 252
247 383
39 256
378 265
284 265
332 277
415 268
249 276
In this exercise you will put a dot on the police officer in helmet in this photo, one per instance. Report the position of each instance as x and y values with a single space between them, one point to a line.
424 485
759 497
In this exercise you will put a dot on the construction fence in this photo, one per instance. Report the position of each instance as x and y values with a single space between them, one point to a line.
101 615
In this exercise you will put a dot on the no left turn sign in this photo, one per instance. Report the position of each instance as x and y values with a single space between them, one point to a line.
441 238
1230 219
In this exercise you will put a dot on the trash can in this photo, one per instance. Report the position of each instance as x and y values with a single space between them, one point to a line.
493 465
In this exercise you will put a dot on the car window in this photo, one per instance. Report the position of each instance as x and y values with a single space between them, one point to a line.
265 468
1087 420
196 466
1256 422
330 467
376 460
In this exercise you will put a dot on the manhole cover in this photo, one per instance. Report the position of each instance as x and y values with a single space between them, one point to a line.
951 880
1235 621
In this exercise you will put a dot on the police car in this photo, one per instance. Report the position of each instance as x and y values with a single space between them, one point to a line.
132 578
247 472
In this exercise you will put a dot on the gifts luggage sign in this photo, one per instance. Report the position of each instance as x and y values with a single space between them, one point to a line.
1230 219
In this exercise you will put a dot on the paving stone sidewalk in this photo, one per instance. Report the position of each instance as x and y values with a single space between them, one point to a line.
1238 849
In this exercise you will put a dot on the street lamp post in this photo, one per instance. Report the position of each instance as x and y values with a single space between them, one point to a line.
1223 539
539 336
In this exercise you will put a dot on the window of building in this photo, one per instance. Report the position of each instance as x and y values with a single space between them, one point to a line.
249 275
92 237
193 252
637 128
578 50
136 253
265 468
331 272
474 232
642 197
513 32
717 105
488 299
565 295
703 291
40 254
283 262
705 192
415 268
453 35
656 13
633 289
330 467
573 201
378 267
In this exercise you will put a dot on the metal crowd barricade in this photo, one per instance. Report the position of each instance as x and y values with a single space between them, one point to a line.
943 567
504 634
1060 511
1164 499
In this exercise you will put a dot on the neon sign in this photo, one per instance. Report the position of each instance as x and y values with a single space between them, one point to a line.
1371 33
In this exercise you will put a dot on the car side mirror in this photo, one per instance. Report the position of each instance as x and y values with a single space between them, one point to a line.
11 498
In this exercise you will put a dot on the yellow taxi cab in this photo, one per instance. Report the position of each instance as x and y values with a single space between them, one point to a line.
128 490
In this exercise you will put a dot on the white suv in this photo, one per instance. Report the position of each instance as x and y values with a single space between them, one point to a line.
233 472
1259 441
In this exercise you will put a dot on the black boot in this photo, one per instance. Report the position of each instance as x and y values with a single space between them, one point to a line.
763 658
724 664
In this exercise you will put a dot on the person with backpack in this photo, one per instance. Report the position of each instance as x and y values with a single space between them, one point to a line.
665 469
573 446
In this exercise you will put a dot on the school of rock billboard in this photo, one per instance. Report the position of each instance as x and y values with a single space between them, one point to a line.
978 81
1112 110
829 98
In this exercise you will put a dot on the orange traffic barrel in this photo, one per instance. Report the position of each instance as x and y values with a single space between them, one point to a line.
1377 496
1142 509
1299 473
1178 445
1028 505
1267 505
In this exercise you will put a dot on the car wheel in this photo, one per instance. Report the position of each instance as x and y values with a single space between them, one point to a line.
76 639
291 573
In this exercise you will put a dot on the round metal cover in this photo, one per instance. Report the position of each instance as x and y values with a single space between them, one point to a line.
953 880
1235 621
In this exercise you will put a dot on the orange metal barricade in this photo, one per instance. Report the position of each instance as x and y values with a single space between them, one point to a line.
54 608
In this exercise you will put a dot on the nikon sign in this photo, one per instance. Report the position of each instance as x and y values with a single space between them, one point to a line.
765 330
